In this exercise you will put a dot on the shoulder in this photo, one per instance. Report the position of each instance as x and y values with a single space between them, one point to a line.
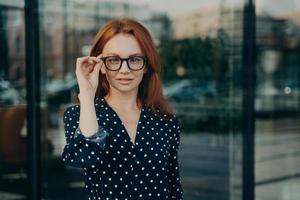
172 120
176 125
176 122
158 115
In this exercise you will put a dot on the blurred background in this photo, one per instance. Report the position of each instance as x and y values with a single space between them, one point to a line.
201 44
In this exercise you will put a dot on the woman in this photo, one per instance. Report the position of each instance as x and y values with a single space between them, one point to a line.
123 134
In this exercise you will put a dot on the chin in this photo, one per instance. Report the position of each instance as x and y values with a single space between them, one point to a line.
125 88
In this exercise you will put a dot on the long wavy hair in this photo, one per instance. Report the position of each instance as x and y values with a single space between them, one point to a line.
150 89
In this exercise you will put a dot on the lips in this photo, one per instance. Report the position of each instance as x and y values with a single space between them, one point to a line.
124 81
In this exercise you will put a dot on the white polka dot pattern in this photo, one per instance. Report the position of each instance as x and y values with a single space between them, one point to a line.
114 166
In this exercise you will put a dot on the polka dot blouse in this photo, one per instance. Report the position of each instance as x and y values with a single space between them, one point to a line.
116 168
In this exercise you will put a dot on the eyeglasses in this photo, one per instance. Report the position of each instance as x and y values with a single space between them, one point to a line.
114 63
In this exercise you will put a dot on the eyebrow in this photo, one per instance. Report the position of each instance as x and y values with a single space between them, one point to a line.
134 54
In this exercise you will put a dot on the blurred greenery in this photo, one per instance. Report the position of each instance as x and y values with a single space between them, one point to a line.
203 58
206 60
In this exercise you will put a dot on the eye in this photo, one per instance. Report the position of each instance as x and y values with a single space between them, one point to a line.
135 59
113 60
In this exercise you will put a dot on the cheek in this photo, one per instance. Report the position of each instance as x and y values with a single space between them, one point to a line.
110 76
139 76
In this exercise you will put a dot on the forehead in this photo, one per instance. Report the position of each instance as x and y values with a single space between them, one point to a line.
122 44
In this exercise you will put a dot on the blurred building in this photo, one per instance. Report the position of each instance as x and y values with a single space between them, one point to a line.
200 23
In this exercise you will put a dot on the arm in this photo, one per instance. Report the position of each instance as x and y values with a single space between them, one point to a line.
174 181
87 119
85 139
81 151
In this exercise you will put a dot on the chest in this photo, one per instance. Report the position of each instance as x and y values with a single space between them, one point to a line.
130 122
151 147
149 136
135 134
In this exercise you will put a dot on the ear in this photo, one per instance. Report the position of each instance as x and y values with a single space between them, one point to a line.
145 69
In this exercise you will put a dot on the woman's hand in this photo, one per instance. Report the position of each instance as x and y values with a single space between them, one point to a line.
87 73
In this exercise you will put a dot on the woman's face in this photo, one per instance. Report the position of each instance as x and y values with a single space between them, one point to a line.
123 45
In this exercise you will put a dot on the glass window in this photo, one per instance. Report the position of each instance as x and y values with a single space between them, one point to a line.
277 143
200 45
200 48
13 103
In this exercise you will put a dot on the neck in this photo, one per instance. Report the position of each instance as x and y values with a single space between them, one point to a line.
122 101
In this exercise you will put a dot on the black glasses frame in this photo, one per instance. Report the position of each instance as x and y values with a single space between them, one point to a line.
122 59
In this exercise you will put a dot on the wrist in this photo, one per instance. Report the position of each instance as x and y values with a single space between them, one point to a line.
86 97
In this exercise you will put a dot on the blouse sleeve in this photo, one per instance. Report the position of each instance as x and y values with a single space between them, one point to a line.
81 151
174 181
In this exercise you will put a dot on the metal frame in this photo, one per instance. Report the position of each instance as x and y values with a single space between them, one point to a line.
248 81
33 99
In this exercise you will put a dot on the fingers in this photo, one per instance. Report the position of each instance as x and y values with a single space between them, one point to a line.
95 59
99 56
85 65
97 68
99 65
86 59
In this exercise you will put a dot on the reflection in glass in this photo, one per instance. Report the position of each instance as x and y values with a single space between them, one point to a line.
13 174
277 100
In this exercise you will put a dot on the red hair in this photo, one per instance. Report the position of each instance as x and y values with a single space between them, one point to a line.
150 88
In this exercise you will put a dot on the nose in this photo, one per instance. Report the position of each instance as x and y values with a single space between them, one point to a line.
124 67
